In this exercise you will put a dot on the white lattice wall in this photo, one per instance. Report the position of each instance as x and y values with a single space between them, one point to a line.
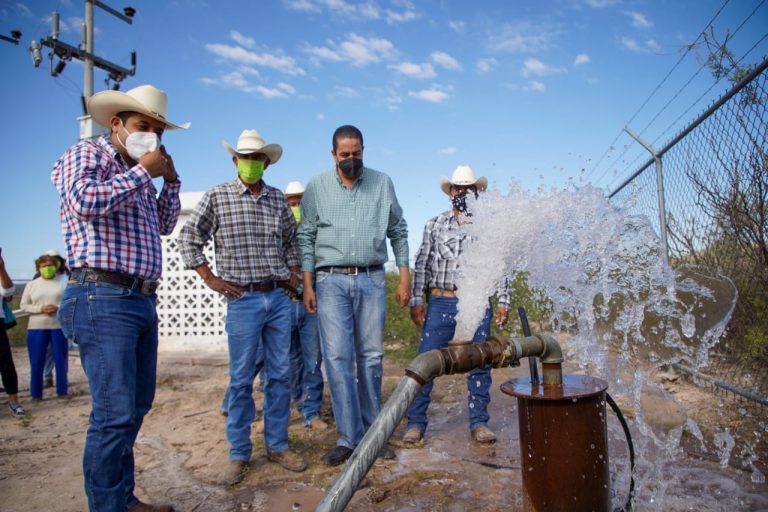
191 314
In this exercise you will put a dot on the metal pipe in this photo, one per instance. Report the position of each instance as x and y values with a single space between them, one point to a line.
345 485
458 357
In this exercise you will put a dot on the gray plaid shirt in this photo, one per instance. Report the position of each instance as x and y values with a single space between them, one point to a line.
254 237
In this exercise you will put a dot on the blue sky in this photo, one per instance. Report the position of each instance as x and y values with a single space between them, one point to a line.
535 91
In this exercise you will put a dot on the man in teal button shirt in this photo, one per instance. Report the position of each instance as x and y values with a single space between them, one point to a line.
347 214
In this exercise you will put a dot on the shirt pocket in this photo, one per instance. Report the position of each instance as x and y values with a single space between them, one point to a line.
449 245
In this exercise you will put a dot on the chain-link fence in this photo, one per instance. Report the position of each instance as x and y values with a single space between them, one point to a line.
712 183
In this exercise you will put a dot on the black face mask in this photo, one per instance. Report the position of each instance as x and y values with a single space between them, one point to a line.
460 202
351 167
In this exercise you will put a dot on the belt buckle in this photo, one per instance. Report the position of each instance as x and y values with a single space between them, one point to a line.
355 272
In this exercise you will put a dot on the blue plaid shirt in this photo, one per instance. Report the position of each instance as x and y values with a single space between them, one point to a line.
111 214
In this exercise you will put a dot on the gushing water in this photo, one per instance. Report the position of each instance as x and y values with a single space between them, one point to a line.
623 310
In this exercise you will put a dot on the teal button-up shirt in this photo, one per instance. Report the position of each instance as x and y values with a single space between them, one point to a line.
349 227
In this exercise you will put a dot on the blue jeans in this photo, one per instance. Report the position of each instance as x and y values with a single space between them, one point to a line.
350 313
439 328
258 325
306 360
40 342
116 329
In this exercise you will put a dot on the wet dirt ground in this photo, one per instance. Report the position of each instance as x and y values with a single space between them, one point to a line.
182 450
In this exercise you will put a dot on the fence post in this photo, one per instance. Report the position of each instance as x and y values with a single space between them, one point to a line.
659 193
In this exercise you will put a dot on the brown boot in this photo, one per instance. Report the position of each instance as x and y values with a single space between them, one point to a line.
483 435
234 473
146 507
288 460
317 424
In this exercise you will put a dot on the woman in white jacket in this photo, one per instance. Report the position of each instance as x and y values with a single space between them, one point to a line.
41 299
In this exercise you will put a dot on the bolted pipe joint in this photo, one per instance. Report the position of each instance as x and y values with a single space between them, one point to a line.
460 356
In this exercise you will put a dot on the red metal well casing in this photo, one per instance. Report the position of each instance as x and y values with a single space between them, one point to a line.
563 444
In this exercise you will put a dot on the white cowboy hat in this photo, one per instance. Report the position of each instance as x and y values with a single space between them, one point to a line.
144 99
294 188
463 176
251 142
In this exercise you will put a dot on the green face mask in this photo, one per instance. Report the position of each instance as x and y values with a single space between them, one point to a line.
296 213
48 271
250 171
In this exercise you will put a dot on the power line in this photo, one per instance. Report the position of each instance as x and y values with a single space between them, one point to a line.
687 50
765 36
674 97
704 93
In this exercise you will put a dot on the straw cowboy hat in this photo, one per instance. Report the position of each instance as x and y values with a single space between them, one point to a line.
144 99
463 176
294 188
251 142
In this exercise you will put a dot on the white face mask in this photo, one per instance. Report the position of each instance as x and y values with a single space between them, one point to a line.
139 144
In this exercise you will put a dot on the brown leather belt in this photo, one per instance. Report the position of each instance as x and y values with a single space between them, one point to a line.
266 286
95 275
353 271
439 292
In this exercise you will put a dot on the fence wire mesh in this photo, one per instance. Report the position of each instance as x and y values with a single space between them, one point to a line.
716 199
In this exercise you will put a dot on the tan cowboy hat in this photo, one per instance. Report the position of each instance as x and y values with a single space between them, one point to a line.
251 142
144 99
294 188
463 176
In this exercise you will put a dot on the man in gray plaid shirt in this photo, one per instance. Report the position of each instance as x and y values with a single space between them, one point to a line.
254 234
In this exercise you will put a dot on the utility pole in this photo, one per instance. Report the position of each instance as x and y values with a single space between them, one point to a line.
84 52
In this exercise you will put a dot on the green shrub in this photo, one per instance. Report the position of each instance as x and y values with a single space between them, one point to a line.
401 335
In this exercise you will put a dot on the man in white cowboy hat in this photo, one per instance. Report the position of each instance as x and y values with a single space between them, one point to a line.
306 357
347 214
436 273
112 218
257 261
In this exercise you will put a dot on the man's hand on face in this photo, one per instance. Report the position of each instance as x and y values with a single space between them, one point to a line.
155 163
170 174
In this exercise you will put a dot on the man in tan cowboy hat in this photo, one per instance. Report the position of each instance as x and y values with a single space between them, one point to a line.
257 262
436 273
112 218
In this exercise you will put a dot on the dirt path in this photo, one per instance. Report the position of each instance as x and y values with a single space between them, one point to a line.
182 450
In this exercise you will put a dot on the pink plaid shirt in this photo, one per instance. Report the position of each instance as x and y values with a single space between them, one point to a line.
111 214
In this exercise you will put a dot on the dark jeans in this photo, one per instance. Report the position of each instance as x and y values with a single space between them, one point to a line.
116 329
38 342
439 328
7 368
